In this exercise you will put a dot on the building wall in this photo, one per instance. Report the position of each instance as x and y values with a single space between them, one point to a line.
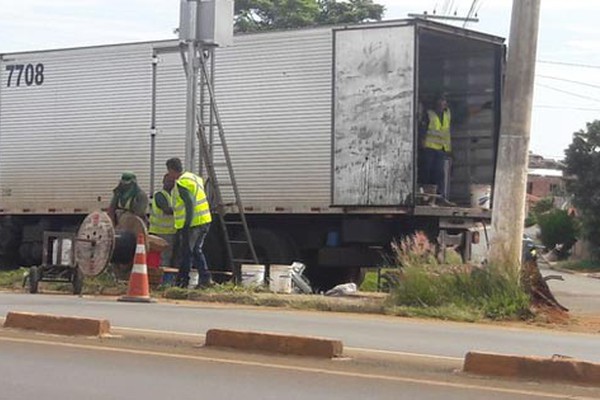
544 186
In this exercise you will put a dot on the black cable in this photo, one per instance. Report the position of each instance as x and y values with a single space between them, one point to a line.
567 92
569 80
566 108
568 64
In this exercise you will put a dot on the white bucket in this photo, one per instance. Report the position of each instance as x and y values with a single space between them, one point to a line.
253 275
280 278
193 278
481 196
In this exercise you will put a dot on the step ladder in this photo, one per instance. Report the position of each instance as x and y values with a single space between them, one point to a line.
221 185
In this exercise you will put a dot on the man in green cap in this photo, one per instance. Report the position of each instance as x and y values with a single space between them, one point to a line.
128 197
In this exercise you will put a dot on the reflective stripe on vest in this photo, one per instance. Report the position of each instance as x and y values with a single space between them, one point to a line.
161 223
127 205
195 186
438 132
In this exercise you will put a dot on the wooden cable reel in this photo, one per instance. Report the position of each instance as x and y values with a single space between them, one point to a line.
99 243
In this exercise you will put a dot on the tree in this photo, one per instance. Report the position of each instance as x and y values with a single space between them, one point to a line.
558 228
262 15
582 164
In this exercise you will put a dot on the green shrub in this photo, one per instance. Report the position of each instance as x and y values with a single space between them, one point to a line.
558 227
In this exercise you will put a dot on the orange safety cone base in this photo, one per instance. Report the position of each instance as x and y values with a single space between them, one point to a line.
139 289
136 299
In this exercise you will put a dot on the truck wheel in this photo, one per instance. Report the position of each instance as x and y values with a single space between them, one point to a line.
77 281
272 247
34 279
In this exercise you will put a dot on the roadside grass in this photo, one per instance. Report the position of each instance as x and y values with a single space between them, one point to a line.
13 279
370 282
460 295
580 266
454 291
422 288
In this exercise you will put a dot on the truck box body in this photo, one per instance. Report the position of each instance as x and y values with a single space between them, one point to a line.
317 120
321 125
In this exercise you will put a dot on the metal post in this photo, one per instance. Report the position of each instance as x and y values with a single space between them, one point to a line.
511 173
153 126
190 115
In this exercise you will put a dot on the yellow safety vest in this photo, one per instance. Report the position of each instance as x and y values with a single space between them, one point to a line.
195 186
161 223
438 132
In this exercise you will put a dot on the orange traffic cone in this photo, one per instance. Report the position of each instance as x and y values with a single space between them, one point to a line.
139 290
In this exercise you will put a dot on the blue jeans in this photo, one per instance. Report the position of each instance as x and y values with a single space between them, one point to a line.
431 168
190 245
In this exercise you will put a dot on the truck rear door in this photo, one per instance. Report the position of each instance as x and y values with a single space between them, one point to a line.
373 116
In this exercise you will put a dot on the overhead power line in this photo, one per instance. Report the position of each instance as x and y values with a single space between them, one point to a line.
569 64
566 108
567 92
569 81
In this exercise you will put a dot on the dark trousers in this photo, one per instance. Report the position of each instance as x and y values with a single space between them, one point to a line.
431 168
190 247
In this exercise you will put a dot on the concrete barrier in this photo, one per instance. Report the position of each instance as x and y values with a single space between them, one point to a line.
275 343
556 368
71 326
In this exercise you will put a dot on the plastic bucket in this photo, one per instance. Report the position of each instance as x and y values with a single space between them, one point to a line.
280 278
253 274
481 196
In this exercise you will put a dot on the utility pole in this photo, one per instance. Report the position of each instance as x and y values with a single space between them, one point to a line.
511 174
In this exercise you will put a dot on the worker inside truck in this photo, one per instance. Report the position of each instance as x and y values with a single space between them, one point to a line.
435 122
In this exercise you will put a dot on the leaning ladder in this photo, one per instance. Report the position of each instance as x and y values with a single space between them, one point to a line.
229 207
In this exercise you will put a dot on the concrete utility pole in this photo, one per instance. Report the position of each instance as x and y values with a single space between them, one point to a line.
511 175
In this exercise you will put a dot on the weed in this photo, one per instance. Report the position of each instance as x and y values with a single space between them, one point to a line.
461 292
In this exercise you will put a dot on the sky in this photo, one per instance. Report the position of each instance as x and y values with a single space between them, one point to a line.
567 87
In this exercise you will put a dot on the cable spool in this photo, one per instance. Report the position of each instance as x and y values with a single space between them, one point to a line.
99 243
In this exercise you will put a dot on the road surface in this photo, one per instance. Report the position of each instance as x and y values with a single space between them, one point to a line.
357 331
32 368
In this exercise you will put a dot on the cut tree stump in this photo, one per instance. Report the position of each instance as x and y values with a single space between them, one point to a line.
535 284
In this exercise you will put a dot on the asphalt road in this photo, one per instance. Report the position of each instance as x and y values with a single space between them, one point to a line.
54 371
579 293
369 332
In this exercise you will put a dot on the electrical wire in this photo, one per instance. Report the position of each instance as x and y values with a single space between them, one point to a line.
567 92
569 64
568 80
566 108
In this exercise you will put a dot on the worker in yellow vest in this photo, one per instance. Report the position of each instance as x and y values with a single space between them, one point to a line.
162 220
192 222
435 143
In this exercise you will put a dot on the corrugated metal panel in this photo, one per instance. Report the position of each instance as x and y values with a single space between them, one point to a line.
274 95
64 143
374 116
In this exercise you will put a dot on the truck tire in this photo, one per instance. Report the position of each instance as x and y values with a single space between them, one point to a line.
272 247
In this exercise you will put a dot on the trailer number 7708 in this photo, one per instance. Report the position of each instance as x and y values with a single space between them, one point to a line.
25 74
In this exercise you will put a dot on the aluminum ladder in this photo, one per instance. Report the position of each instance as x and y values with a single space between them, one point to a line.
223 194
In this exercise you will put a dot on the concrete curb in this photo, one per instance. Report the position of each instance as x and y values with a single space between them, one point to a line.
556 368
275 343
71 326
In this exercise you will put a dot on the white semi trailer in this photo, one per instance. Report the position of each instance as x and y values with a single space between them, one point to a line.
321 125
